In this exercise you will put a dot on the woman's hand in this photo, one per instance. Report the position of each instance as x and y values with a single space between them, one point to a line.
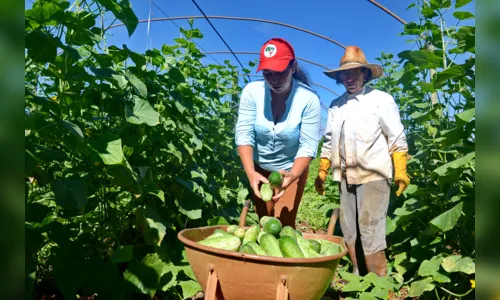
255 179
288 178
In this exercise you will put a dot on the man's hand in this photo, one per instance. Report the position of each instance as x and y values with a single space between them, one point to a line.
255 179
319 183
401 178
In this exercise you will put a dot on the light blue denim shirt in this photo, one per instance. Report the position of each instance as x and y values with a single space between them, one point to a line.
297 134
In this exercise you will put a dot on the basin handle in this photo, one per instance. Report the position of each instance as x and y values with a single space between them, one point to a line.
244 212
282 290
211 283
333 221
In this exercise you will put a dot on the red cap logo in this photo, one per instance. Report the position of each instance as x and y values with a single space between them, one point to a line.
275 55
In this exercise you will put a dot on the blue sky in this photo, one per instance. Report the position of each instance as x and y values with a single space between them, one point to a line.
353 22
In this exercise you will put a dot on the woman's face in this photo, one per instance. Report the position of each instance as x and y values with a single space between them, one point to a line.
279 82
353 80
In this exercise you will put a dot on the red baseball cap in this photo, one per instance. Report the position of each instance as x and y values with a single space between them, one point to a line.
275 55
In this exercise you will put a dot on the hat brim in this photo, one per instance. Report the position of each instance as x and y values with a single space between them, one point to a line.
376 70
274 65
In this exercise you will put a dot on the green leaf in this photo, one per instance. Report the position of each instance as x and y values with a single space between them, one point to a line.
74 129
70 193
398 262
380 293
457 263
176 75
179 107
447 220
366 296
417 288
350 276
425 59
193 214
143 278
465 117
142 112
123 12
151 224
455 164
463 15
356 286
138 85
429 267
382 282
153 189
441 278
122 254
460 3
449 73
109 149
217 221
42 47
190 288
426 87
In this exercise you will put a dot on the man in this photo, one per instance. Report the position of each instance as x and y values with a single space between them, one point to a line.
362 135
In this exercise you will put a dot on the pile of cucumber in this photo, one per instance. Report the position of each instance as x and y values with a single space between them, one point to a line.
270 238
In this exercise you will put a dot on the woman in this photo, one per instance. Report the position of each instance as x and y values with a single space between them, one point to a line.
278 129
362 134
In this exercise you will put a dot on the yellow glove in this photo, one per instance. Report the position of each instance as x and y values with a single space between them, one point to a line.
400 177
324 166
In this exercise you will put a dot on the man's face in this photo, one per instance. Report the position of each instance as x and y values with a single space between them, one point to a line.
353 80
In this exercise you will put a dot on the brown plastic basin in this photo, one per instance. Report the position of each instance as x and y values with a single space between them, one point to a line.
227 275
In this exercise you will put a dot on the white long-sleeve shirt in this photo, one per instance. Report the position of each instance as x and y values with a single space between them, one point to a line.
372 132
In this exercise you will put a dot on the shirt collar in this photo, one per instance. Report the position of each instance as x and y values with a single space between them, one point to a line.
348 96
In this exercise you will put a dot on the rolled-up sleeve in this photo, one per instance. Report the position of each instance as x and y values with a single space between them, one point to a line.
310 129
390 121
245 132
326 149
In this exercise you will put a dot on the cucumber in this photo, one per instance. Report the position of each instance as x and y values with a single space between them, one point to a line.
288 230
266 193
316 245
298 232
255 247
232 228
332 249
307 248
326 244
222 232
261 233
263 220
270 245
216 234
240 232
273 226
289 247
245 248
251 234
225 242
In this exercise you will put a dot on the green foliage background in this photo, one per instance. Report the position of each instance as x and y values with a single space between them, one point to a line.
125 149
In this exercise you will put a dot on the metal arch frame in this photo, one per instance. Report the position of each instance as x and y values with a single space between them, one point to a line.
249 52
314 83
238 19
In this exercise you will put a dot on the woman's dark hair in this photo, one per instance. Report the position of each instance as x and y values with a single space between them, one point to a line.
368 77
300 75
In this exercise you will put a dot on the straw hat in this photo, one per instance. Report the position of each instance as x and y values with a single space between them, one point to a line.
355 58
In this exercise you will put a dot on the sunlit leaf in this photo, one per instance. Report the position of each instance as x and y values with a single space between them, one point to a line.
447 220
457 263
463 15
142 112
417 288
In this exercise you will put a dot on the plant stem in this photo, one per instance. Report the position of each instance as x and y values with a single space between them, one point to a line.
456 295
